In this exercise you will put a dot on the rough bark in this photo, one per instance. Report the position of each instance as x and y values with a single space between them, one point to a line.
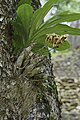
23 82
27 86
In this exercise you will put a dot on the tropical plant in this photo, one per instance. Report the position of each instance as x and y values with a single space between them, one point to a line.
30 29
27 77
29 26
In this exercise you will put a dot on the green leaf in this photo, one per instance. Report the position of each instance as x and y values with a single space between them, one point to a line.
44 11
21 26
60 29
23 2
19 36
39 16
40 46
18 28
25 12
28 27
40 49
65 45
61 18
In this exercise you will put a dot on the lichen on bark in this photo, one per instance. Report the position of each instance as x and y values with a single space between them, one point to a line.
27 85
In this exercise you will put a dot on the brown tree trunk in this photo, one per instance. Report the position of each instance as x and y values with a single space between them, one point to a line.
27 86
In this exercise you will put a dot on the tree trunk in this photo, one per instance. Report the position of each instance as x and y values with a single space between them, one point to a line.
27 87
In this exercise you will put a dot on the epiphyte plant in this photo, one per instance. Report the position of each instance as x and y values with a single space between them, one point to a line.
29 27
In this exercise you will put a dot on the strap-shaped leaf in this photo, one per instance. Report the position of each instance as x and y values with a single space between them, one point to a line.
25 12
19 35
40 49
40 46
65 45
21 26
39 16
60 29
61 18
